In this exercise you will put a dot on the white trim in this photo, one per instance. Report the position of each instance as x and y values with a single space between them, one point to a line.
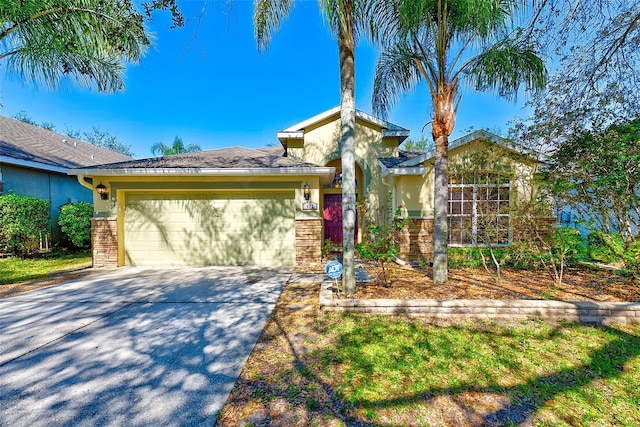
32 164
309 171
389 129
473 136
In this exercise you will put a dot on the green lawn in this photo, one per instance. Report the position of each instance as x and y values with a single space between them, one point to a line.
15 270
347 369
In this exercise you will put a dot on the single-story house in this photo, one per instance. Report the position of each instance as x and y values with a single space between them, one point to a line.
34 162
269 206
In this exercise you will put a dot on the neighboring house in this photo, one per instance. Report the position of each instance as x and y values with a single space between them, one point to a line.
34 162
270 206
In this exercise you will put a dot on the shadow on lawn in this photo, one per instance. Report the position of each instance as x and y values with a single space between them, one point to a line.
515 405
605 363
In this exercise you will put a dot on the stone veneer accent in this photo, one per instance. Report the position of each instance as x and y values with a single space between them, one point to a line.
1 188
606 313
308 241
104 242
416 240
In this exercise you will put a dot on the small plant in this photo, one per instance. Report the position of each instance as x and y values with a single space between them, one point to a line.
327 249
378 245
75 222
23 221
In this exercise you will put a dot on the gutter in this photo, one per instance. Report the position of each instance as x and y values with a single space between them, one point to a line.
310 171
32 164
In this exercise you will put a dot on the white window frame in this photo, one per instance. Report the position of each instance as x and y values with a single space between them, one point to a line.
476 187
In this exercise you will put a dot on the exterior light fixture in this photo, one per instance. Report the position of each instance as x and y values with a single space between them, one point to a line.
102 191
307 191
454 180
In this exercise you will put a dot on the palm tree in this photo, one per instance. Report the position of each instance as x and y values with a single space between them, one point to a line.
87 40
177 147
445 43
343 17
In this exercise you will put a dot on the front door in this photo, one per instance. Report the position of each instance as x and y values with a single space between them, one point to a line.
333 218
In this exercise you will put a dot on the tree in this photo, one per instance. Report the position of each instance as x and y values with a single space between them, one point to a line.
444 43
102 139
347 20
597 44
86 40
177 147
421 145
597 175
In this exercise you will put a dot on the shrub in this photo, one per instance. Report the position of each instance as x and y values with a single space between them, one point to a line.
75 222
23 221
599 250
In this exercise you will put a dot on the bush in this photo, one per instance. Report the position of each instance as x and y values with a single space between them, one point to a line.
23 221
75 222
599 250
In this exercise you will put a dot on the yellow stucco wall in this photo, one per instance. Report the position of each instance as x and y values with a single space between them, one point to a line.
321 146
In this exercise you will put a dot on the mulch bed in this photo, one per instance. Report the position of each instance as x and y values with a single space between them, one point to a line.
579 284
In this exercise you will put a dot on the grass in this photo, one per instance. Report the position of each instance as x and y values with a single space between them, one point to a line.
16 270
347 369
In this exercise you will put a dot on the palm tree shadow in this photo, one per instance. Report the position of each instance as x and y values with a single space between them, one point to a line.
606 363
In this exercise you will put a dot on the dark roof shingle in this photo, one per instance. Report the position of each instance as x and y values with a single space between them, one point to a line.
223 158
25 142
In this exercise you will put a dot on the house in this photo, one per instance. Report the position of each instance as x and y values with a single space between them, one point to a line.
34 162
270 206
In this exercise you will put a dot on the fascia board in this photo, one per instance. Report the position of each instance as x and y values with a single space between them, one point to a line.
32 164
309 171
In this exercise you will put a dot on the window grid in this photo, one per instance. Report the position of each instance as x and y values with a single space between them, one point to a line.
478 211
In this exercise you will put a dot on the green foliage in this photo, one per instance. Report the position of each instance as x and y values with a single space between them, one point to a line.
421 145
599 250
23 221
102 139
75 222
177 147
379 245
328 248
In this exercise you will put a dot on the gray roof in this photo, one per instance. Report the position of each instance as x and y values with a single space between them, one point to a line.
27 143
224 158
403 156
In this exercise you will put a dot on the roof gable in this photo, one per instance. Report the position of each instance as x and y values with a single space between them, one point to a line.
388 129
29 145
468 139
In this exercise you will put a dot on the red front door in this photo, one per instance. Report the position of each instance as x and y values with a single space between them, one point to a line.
333 218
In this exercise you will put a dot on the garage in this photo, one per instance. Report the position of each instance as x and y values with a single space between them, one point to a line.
209 228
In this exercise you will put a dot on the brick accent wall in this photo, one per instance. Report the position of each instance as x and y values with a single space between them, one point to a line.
104 242
308 241
416 240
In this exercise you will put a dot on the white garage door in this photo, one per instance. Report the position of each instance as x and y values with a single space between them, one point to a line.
210 228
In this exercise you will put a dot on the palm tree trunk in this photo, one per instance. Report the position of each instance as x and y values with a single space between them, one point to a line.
440 207
346 48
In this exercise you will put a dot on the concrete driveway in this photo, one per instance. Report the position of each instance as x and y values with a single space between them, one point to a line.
132 346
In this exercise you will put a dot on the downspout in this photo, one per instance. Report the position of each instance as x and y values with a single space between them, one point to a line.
81 180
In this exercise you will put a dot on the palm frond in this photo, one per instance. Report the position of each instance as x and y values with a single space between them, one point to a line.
504 67
396 73
87 40
268 16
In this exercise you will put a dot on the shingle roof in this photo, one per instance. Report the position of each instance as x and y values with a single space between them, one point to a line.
25 142
224 158
403 156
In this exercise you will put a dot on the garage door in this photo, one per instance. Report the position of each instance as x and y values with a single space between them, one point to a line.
212 228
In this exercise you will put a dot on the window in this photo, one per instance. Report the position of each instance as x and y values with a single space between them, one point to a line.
478 210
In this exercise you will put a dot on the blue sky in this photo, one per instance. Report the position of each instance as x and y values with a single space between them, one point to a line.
208 84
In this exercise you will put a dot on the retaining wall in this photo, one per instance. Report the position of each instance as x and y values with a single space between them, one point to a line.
605 313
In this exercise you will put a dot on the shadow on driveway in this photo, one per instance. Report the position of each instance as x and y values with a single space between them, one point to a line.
131 346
